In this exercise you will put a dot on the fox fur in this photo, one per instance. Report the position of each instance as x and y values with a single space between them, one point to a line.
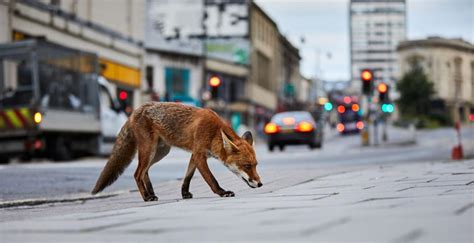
155 127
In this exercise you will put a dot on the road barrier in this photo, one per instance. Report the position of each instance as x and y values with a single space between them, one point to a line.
456 152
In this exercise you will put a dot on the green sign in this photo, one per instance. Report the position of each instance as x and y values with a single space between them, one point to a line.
232 50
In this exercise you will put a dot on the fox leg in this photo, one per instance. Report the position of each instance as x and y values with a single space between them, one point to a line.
149 188
161 151
146 152
187 179
203 168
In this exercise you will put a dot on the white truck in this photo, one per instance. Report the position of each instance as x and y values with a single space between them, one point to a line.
54 103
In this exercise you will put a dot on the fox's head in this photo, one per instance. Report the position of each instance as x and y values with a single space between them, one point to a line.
240 158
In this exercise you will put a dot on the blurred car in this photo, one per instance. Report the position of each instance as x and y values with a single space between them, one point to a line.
349 122
294 127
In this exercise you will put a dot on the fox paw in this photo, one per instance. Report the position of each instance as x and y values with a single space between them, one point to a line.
227 194
187 195
151 198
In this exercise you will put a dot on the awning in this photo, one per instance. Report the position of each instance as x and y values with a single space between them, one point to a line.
120 73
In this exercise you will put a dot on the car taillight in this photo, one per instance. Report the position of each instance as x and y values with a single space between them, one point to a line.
360 125
271 128
340 127
304 127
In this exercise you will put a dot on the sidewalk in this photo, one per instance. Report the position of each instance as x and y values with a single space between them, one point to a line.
419 202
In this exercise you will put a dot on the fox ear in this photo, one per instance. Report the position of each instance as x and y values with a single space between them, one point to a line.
248 137
229 146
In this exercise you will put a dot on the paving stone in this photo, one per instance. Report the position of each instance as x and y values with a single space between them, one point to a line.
426 202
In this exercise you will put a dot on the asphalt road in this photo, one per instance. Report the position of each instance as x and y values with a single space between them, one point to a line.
45 179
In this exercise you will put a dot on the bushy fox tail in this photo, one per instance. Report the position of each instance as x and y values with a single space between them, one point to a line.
122 154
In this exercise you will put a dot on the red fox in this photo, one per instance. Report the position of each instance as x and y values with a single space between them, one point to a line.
154 127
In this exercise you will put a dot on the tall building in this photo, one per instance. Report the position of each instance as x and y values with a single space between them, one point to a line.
376 28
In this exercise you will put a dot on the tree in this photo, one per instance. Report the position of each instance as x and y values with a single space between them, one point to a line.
416 92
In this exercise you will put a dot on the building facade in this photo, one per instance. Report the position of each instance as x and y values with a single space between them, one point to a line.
449 64
265 60
113 31
172 76
184 53
290 83
376 28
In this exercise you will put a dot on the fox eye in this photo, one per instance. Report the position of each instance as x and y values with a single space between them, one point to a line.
248 166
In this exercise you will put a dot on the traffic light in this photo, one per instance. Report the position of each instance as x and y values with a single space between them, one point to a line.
367 79
214 82
328 106
341 109
123 95
125 99
383 92
355 107
387 108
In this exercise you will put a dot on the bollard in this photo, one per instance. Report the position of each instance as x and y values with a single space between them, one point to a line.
456 152
412 130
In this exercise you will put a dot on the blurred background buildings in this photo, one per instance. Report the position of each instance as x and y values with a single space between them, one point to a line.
149 50
449 65
168 51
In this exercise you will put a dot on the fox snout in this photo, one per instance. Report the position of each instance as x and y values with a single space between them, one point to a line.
252 183
252 179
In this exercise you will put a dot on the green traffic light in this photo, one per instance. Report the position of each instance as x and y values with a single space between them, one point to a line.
328 106
388 108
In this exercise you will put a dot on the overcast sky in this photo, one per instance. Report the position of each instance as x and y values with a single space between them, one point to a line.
324 25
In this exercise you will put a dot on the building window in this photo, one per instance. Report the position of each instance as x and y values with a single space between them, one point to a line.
177 83
472 81
56 2
457 78
149 77
263 71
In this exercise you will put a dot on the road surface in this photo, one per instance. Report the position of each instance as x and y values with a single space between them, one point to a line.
46 179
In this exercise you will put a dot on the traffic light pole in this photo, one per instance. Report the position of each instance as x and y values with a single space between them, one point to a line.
367 87
365 132
376 133
385 107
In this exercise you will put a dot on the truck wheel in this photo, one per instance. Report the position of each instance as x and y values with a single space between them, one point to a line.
4 160
26 158
61 150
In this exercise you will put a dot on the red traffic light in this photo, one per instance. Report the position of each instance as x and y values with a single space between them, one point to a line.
341 109
214 81
123 95
382 88
366 75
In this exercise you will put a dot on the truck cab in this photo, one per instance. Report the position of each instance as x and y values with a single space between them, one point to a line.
54 103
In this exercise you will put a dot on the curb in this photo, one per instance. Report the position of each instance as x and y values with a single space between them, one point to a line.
40 201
